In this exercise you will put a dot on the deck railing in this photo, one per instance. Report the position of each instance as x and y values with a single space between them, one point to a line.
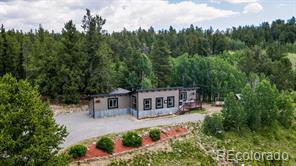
188 106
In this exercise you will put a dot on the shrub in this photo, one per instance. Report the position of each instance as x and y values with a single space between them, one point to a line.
105 144
154 134
132 139
77 151
213 125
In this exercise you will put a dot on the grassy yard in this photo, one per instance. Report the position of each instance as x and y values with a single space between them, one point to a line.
199 111
183 153
189 152
277 139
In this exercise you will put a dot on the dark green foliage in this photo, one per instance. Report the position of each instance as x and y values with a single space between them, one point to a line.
142 74
267 97
233 114
132 139
271 63
105 144
77 151
154 134
214 75
69 65
285 107
98 64
251 107
71 62
213 125
261 106
28 128
161 63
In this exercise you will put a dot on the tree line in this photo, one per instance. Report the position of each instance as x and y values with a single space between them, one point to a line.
259 107
68 65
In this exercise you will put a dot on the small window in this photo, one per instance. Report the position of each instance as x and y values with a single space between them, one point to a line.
112 103
159 102
171 101
134 102
147 104
183 96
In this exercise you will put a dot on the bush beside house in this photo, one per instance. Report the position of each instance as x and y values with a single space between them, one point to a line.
132 139
77 151
154 134
105 144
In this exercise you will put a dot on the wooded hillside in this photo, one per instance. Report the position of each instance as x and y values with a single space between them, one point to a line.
71 64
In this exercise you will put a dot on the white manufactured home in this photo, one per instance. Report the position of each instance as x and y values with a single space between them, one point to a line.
144 103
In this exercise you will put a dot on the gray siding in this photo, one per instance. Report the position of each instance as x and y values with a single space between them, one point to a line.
112 112
191 94
125 103
154 95
101 106
157 112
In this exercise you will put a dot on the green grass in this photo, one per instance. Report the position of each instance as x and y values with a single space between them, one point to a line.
276 139
183 153
199 111
292 58
186 151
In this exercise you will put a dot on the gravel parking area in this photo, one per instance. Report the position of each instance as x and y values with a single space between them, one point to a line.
80 126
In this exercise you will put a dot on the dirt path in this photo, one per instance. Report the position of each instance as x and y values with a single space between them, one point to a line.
211 109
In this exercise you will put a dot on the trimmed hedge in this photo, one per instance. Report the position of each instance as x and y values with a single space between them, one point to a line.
105 144
132 139
77 151
154 134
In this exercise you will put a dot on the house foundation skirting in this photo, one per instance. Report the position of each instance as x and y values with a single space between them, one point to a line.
157 112
111 112
135 113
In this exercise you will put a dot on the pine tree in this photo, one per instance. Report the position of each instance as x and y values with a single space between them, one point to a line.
29 134
97 78
161 63
70 64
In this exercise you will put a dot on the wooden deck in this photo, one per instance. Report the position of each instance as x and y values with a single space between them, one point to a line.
188 106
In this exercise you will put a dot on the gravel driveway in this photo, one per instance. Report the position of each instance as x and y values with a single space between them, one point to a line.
80 126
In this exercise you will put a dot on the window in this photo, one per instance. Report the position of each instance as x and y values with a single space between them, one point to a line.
171 101
134 102
112 103
147 104
183 96
159 102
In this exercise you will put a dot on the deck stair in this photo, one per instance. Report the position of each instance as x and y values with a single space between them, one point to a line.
188 106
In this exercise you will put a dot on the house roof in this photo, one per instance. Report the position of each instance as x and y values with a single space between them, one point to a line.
157 89
109 95
114 92
166 89
119 91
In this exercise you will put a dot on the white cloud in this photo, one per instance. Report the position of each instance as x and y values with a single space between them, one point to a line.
131 14
240 1
253 8
52 14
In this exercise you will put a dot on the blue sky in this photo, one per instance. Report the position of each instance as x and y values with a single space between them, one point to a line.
132 14
272 9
